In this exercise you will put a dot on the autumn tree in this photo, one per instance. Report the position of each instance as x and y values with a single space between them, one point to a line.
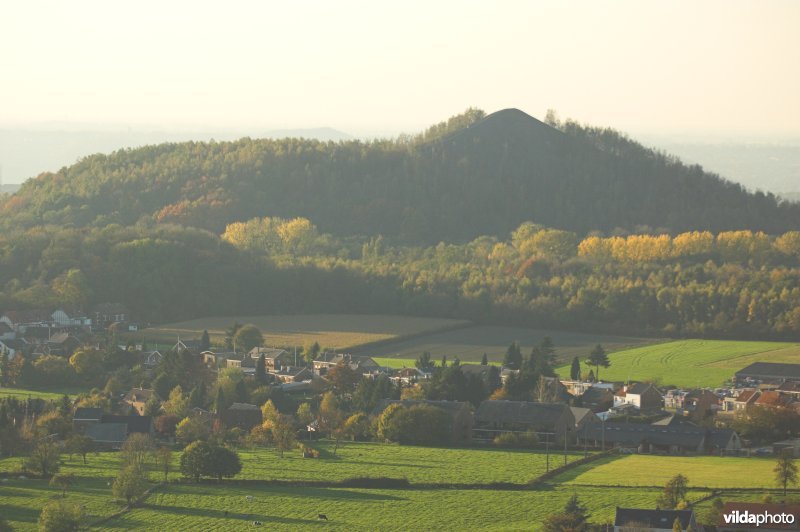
785 470
130 483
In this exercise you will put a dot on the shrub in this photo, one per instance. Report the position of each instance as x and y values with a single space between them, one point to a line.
416 425
516 440
60 516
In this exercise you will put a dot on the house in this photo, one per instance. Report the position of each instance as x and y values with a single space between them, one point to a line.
460 415
409 376
242 415
292 374
550 421
69 317
773 399
151 359
597 399
105 314
641 520
85 417
108 436
62 344
140 424
6 332
642 395
137 398
698 404
790 388
364 364
274 358
112 431
675 435
583 416
20 320
768 372
742 402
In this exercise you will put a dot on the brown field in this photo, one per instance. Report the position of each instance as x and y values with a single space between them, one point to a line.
334 331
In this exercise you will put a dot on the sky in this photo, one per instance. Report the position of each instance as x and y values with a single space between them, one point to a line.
374 68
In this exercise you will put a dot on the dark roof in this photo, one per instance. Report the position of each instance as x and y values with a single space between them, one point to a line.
28 316
108 432
521 412
672 421
640 387
770 369
581 413
597 395
110 308
85 414
134 423
4 328
790 387
652 518
243 406
680 434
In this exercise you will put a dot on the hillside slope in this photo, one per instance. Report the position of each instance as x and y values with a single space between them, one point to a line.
485 178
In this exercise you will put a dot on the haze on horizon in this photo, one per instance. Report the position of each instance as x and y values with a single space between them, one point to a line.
712 71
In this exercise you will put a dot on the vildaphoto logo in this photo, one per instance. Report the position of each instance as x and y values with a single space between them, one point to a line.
752 516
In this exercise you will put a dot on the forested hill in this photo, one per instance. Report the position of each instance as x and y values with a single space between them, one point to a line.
473 175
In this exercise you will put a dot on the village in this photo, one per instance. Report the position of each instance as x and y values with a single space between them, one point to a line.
249 394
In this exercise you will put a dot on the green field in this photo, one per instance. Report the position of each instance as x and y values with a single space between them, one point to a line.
193 507
53 393
469 344
647 470
691 363
334 331
417 464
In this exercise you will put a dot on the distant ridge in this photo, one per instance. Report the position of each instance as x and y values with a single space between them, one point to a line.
474 175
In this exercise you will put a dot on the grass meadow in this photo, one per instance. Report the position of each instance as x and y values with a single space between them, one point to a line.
692 363
225 506
50 393
648 470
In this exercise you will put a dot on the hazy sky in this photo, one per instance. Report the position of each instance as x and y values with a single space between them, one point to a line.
380 67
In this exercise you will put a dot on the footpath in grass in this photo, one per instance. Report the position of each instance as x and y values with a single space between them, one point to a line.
647 470
692 363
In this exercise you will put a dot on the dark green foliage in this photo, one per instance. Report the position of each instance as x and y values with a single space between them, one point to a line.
261 371
241 393
194 460
597 358
573 519
205 341
578 179
419 425
424 362
484 360
575 370
513 357
370 392
674 492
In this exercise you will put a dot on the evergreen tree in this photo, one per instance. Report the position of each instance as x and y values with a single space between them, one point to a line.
219 403
205 341
444 361
597 358
197 397
261 370
513 357
241 392
485 360
424 362
575 370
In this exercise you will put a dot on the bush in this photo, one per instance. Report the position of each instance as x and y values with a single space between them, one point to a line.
308 452
60 516
516 440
